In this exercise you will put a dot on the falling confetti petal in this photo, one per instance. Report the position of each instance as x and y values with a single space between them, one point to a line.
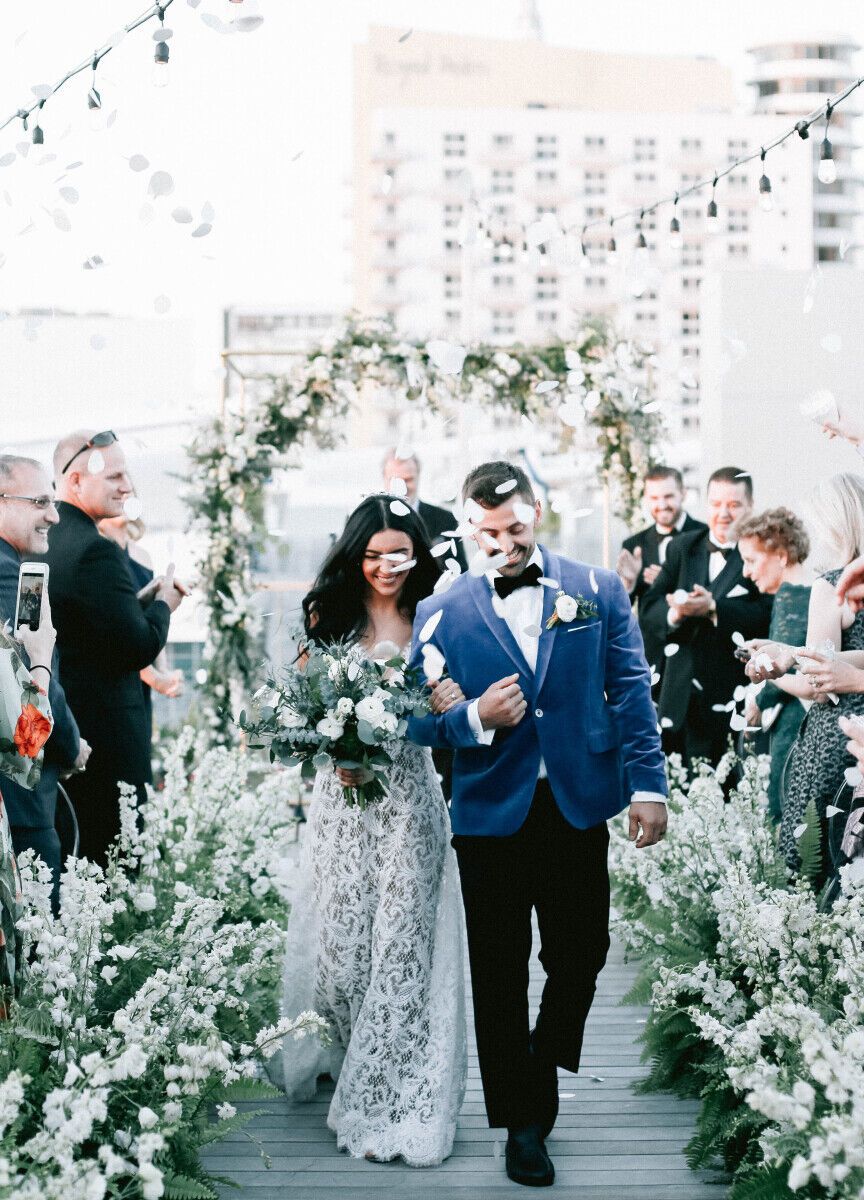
546 385
532 631
97 342
433 662
832 343
483 562
248 24
133 508
430 626
737 722
698 686
161 184
523 512
214 22
671 648
566 1095
405 36
201 676
448 357
95 260
571 414
547 582
821 407
503 488
738 638
161 304
69 194
681 596
399 509
598 1078
397 487
61 220
405 566
833 811
208 212
799 830
138 162
146 213
42 90
853 776
666 723
442 548
182 216
655 677
162 34
595 586
202 230
8 159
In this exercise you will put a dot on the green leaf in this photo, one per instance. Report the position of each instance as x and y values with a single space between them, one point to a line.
810 844
307 771
182 1187
220 1129
247 1089
366 733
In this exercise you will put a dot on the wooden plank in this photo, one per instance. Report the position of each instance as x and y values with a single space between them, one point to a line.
610 1143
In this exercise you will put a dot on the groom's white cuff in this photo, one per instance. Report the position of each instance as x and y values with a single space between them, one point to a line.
483 736
647 798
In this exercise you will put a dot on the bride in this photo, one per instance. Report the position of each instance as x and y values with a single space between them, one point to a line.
375 935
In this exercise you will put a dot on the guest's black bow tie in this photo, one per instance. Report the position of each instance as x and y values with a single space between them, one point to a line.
505 584
724 550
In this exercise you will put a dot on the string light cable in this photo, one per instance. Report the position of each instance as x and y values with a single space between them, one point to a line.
827 172
91 62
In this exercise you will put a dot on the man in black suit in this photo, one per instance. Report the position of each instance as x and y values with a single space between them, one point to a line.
105 634
436 519
27 512
698 600
644 553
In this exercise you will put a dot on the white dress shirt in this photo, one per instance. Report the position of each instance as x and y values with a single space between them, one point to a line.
666 538
717 560
522 610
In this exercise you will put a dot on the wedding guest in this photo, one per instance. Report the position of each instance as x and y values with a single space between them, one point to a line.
816 768
104 635
27 512
127 533
375 939
644 553
698 600
437 520
773 547
25 725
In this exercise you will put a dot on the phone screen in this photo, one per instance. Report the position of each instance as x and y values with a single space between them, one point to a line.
30 593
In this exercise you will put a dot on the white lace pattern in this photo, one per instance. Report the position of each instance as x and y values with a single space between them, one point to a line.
375 945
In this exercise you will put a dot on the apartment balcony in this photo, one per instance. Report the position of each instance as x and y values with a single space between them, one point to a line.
803 68
825 202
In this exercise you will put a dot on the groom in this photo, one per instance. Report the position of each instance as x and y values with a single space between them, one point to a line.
557 734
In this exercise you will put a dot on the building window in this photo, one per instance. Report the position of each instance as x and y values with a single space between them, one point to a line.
691 145
502 141
502 323
645 149
454 145
542 210
595 283
452 316
390 210
738 221
738 250
451 174
644 177
390 245
691 283
451 246
828 254
546 145
688 178
390 281
595 183
689 323
738 181
389 138
547 288
452 215
547 316
452 287
594 142
545 176
502 182
595 212
737 147
691 254
503 281
691 213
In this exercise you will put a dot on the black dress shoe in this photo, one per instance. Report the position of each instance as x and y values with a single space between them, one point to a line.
526 1158
546 1090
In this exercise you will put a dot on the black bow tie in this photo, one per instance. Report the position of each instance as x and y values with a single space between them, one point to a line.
724 550
506 584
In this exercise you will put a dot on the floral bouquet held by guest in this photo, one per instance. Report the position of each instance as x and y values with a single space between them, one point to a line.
343 708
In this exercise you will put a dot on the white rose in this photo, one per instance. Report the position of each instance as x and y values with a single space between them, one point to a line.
260 887
345 706
370 709
330 726
566 608
145 901
147 1118
388 722
226 1111
291 719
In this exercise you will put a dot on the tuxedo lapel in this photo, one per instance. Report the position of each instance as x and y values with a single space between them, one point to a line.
551 570
651 548
728 577
482 594
697 564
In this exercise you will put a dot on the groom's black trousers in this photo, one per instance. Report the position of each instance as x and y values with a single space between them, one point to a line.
561 872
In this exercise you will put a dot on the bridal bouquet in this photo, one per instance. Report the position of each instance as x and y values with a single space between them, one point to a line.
341 708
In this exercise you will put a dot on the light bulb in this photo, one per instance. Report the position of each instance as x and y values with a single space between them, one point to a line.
827 170
386 183
584 261
766 200
161 70
712 222
94 110
676 240
611 251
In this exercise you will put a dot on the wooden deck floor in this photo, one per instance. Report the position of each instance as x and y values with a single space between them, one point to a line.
608 1143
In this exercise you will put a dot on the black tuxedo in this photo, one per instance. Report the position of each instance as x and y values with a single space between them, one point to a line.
648 541
104 638
436 520
704 671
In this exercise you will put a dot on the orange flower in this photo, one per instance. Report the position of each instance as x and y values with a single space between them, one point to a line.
31 732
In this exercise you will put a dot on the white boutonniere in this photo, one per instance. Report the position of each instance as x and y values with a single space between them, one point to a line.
571 608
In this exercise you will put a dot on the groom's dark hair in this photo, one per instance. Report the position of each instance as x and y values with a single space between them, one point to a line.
481 484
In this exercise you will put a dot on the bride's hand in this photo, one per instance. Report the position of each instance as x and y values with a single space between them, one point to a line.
445 693
353 777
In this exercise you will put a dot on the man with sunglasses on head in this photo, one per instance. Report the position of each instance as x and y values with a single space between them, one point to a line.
27 512
105 632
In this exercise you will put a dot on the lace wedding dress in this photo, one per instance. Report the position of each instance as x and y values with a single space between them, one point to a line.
375 946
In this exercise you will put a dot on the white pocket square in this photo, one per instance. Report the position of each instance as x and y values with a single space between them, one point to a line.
738 590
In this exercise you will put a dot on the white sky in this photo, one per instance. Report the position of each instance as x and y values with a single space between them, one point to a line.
237 111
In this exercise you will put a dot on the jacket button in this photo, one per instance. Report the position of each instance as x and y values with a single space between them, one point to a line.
538 712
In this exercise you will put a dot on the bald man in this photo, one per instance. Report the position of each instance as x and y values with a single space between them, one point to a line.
105 635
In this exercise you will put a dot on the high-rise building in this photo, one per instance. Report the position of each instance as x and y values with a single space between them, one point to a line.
791 79
519 132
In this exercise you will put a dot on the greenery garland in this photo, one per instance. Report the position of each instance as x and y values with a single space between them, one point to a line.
597 380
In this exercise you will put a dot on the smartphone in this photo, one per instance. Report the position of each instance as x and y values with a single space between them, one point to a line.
742 653
32 582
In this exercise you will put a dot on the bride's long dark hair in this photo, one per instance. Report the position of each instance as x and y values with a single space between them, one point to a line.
335 608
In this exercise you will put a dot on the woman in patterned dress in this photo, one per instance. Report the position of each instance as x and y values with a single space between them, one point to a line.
819 758
375 935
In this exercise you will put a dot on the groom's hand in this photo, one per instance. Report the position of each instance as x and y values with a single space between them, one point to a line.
502 704
651 816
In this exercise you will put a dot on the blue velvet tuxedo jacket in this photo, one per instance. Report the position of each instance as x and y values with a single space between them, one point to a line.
590 716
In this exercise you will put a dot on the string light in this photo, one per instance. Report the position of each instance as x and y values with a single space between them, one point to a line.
611 247
38 134
90 62
94 99
584 261
676 241
712 221
640 257
827 169
766 200
161 76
